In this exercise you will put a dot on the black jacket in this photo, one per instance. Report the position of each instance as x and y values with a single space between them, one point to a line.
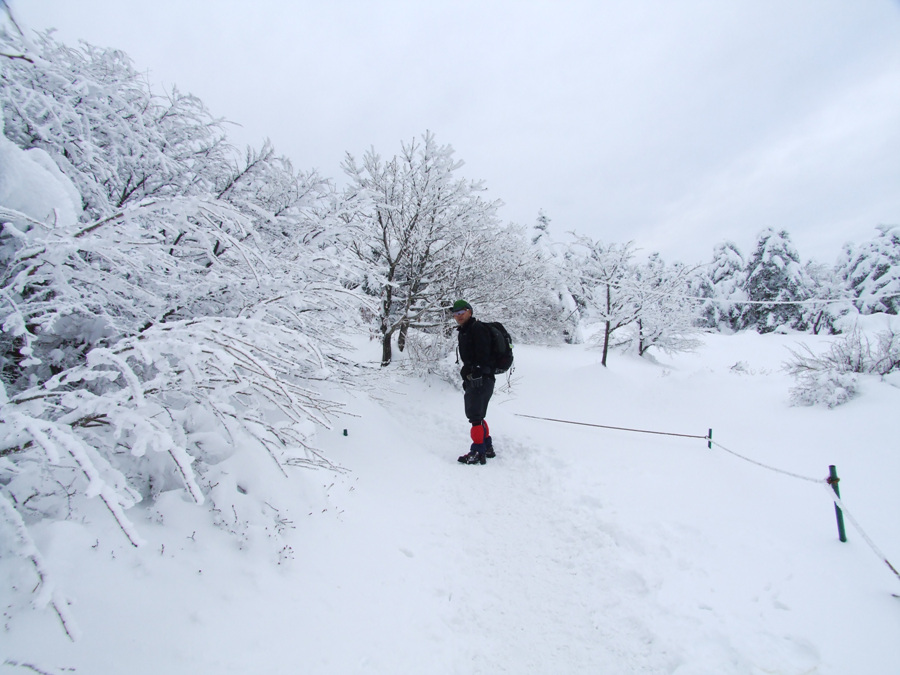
475 349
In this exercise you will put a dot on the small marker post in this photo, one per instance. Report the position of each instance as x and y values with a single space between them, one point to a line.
833 481
709 440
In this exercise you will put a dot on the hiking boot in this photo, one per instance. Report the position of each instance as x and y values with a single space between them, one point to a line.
473 457
489 448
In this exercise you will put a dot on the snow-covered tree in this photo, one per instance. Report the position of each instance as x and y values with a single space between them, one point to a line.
188 312
606 289
119 144
775 283
666 316
557 310
831 299
871 271
421 226
499 273
723 283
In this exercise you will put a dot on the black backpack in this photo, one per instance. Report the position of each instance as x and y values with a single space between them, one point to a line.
501 347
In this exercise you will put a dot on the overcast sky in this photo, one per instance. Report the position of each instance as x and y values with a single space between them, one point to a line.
674 123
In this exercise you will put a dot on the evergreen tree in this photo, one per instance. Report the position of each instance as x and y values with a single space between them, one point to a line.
725 286
774 278
871 271
827 286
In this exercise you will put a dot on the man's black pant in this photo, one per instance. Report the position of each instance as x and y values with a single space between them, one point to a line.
476 399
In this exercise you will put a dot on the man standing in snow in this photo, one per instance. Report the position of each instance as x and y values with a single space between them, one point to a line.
478 379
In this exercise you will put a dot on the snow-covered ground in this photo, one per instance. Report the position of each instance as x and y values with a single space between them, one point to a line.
576 550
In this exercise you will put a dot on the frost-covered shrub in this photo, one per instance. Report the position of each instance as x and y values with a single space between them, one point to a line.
115 337
824 387
91 111
887 353
184 319
832 378
427 351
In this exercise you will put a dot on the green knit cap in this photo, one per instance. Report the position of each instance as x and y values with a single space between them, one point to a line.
460 304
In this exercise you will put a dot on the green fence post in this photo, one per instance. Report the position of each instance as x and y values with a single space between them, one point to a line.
709 440
833 481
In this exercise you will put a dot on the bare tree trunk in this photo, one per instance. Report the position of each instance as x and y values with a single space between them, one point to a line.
815 328
641 347
386 349
387 331
606 332
401 338
607 329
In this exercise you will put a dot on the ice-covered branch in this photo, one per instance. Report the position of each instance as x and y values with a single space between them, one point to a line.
46 591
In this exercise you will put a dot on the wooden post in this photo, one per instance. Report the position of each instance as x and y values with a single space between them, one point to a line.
833 481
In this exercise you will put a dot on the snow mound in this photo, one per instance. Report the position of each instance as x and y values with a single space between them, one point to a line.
32 185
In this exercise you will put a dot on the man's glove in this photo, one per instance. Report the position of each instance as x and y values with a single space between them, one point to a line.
475 380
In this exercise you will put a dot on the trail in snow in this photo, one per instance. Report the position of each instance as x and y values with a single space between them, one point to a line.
626 553
534 567
517 569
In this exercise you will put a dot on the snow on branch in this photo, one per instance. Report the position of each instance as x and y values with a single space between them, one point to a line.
161 307
46 592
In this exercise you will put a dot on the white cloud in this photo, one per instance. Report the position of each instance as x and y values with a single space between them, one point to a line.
667 123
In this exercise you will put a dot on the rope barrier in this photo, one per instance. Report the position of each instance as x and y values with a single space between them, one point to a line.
603 426
837 501
862 533
771 468
708 438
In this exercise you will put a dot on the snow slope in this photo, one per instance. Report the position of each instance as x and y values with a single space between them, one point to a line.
576 550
